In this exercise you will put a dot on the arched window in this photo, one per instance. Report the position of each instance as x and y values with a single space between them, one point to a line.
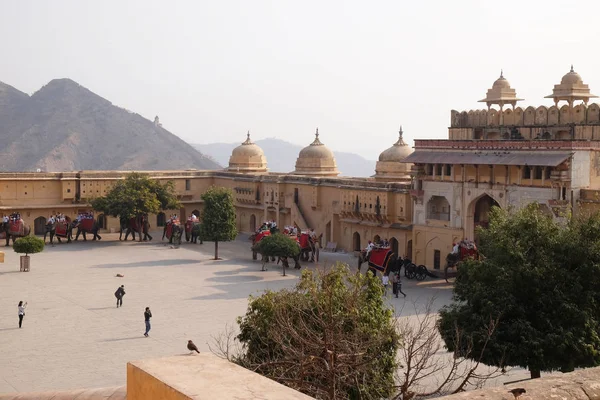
438 208
161 219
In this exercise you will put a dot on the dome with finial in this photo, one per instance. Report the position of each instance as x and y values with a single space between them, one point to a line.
398 152
247 157
390 166
571 78
570 89
316 159
501 93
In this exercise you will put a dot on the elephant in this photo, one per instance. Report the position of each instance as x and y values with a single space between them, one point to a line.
173 232
15 231
285 263
309 247
192 232
51 230
129 225
84 227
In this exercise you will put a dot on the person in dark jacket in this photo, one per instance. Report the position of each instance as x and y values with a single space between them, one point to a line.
147 316
119 295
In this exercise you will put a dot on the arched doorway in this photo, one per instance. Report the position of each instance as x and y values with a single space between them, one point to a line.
161 219
394 246
481 213
252 224
101 221
356 241
39 225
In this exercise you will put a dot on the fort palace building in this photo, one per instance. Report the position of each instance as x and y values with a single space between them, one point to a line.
421 201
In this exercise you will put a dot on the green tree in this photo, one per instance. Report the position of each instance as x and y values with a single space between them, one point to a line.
135 196
278 245
218 217
28 245
330 337
541 278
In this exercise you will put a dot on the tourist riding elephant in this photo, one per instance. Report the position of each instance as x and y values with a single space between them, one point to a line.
59 230
86 225
173 231
192 231
15 229
255 238
309 246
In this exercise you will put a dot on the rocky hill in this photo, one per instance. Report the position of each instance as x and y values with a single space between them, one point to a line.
66 127
282 155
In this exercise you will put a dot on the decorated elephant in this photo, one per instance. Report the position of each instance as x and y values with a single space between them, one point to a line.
15 228
309 246
192 232
173 231
59 229
84 224
255 238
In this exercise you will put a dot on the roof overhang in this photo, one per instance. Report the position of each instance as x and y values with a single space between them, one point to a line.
488 158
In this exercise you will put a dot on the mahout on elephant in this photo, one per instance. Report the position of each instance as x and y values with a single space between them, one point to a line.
86 223
13 226
463 250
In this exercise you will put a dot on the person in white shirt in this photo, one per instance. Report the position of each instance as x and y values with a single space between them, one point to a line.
5 219
386 281
455 248
194 218
21 307
51 220
369 248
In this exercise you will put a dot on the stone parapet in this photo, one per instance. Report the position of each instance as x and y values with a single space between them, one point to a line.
578 385
202 376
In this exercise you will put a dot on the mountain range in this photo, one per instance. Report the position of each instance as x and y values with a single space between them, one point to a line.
281 157
66 127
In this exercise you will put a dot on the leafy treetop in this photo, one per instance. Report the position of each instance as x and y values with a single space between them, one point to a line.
137 194
278 245
28 245
218 215
330 337
541 277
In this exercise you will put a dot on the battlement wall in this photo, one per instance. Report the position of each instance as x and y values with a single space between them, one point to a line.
541 116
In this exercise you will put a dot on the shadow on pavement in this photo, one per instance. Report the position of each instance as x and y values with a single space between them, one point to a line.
153 263
120 339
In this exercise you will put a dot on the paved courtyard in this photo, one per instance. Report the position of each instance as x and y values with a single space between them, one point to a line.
73 335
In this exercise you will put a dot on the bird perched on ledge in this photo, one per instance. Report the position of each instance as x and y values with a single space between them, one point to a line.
192 347
517 392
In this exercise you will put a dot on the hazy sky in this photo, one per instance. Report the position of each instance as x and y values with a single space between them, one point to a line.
356 69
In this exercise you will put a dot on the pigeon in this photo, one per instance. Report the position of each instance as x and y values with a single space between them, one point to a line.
192 347
517 392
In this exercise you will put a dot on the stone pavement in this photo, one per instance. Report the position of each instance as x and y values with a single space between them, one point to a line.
73 335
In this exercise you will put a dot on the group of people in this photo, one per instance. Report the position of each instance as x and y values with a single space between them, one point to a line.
193 218
87 215
267 226
119 294
173 219
381 244
396 283
57 218
13 217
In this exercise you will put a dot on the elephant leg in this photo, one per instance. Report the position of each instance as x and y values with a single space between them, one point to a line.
7 239
297 262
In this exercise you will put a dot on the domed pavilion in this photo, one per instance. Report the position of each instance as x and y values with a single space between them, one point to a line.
248 158
501 94
390 166
316 160
571 89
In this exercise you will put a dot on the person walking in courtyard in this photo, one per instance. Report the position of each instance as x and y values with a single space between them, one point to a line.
147 316
21 307
385 279
119 295
397 284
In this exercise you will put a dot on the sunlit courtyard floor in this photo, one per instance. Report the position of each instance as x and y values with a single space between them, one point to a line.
73 335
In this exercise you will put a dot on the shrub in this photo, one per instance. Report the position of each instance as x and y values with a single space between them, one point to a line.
28 245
